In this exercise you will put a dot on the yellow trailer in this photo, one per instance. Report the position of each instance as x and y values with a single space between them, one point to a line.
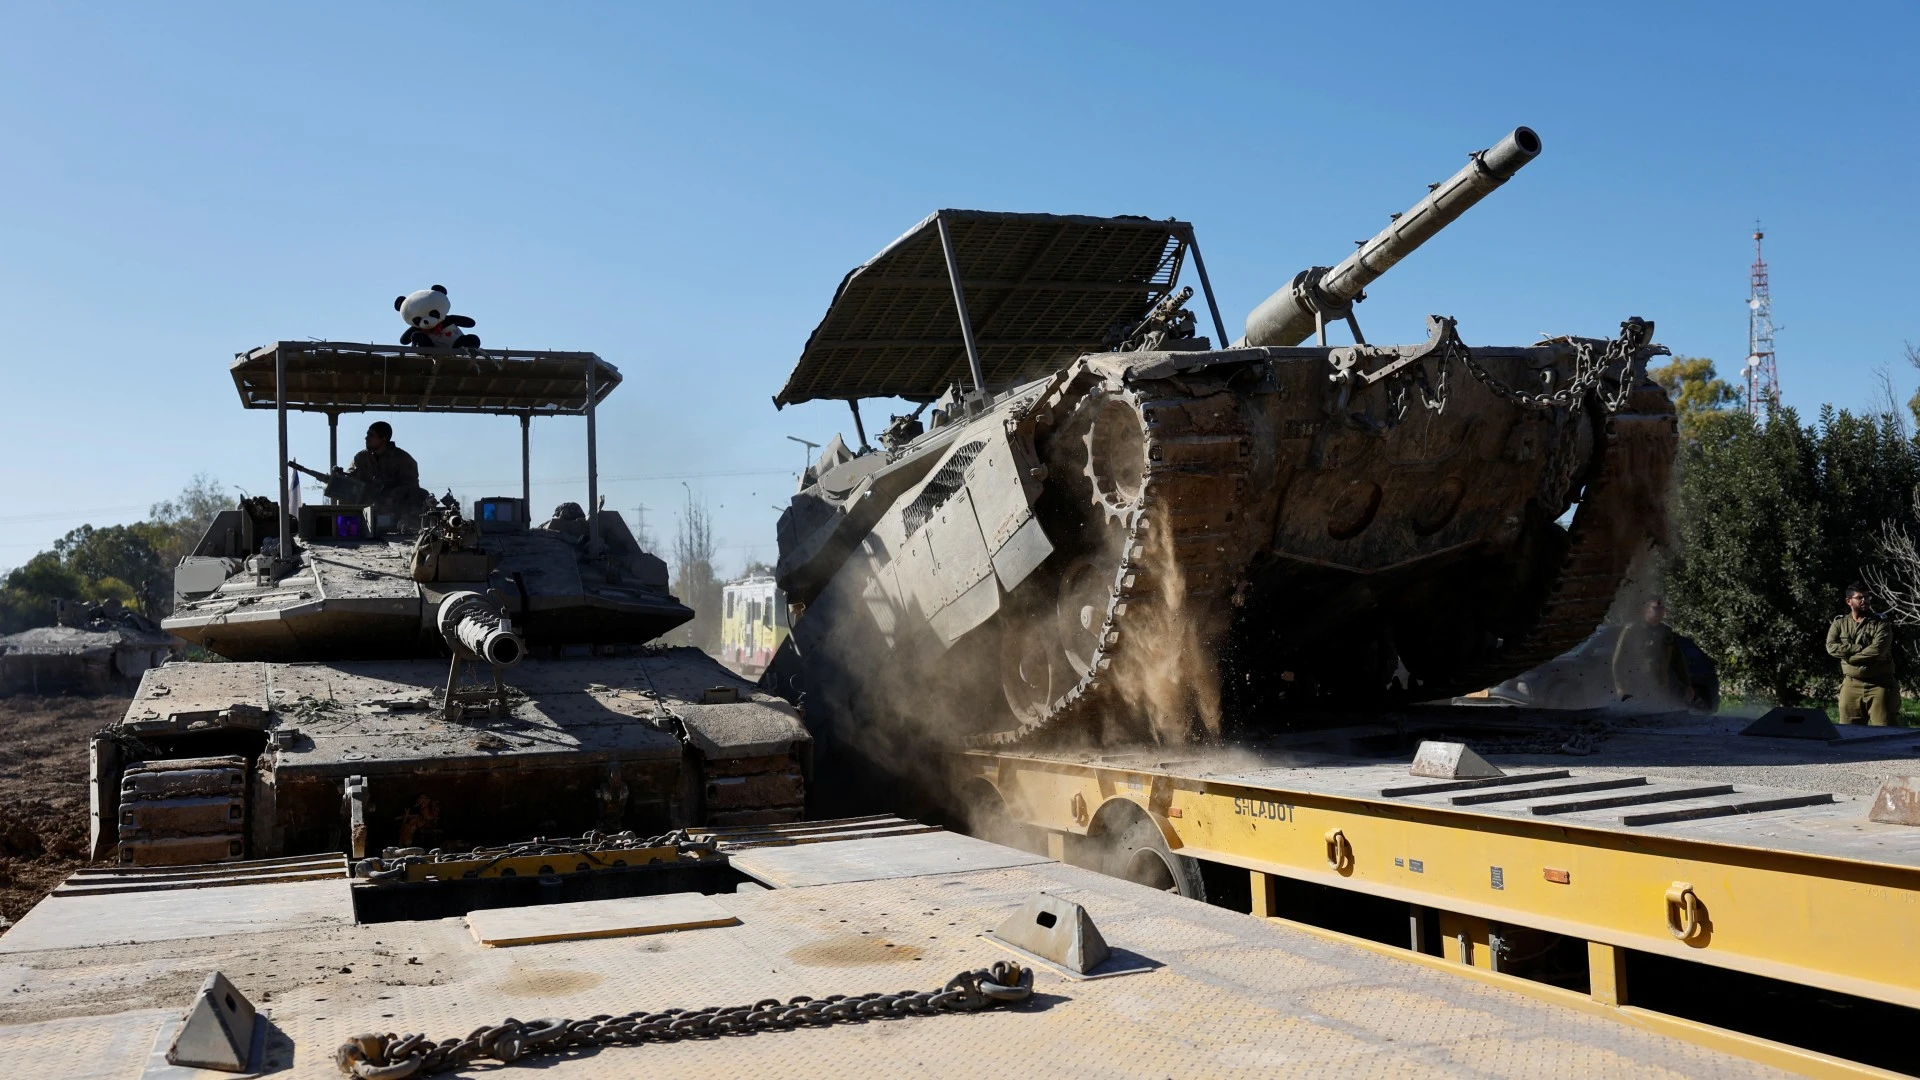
1675 858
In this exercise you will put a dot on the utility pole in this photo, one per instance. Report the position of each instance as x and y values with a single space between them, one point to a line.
808 449
1763 376
640 527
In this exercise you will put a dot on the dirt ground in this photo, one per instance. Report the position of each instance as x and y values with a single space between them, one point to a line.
43 791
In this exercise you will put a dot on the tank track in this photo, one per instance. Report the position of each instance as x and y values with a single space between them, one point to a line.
1182 549
182 811
1603 542
1198 453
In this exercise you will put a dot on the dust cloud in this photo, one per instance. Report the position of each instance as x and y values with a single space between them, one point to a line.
1166 674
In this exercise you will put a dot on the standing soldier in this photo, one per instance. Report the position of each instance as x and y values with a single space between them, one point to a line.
1863 643
1647 665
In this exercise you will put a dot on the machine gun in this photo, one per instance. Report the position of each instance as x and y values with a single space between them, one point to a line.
338 487
1169 321
1318 295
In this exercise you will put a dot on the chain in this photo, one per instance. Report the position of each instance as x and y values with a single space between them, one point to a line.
1623 356
1432 397
392 1057
1556 480
1411 375
394 862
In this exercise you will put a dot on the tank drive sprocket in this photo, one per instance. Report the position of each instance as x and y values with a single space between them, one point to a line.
1150 553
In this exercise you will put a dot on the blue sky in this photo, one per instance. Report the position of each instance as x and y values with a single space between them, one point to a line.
680 187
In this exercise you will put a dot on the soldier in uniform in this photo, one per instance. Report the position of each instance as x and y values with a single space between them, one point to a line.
1863 643
1648 666
390 473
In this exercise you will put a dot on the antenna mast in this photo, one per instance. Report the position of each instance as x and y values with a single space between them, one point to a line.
1763 377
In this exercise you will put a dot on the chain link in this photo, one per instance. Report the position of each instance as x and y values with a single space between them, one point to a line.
1414 377
394 863
1621 358
1556 480
392 1057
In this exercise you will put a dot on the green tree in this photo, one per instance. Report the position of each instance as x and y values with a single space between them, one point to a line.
129 563
1868 470
116 562
28 593
1913 403
1699 394
174 526
1773 521
1747 582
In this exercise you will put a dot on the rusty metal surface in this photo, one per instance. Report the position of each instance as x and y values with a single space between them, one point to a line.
1210 505
1236 996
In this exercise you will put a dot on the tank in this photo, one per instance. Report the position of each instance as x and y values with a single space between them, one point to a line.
1108 529
92 648
403 673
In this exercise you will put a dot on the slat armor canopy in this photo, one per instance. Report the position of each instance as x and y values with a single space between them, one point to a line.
1041 289
339 376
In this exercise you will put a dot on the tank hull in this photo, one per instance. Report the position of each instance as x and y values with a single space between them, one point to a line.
1227 532
647 742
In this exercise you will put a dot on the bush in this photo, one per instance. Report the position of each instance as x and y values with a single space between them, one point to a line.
1773 521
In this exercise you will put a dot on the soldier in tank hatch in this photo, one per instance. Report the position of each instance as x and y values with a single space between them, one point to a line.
390 473
1863 643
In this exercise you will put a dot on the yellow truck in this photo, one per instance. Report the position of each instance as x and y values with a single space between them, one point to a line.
753 624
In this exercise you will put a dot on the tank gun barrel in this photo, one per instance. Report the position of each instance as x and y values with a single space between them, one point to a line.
1320 295
472 627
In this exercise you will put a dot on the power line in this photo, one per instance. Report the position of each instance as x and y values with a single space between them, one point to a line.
635 477
56 515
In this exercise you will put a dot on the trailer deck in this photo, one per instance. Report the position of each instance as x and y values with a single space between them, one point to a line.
92 982
1672 836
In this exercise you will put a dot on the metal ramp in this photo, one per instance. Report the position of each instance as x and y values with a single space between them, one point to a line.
1646 800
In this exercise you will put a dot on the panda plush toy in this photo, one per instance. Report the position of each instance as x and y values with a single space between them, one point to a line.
431 323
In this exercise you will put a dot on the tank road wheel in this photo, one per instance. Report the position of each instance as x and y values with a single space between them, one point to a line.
1081 612
1032 675
1116 443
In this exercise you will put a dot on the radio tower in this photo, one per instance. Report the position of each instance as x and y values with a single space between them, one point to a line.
1763 378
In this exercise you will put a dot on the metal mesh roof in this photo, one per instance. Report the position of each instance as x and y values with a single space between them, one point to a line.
1041 289
340 376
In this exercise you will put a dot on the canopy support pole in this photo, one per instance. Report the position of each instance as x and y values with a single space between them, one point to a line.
526 466
593 460
960 305
859 428
280 465
1200 266
333 440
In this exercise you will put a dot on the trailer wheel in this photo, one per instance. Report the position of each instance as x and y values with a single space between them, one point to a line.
1138 853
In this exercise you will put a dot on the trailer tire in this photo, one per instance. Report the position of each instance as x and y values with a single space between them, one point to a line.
1138 853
